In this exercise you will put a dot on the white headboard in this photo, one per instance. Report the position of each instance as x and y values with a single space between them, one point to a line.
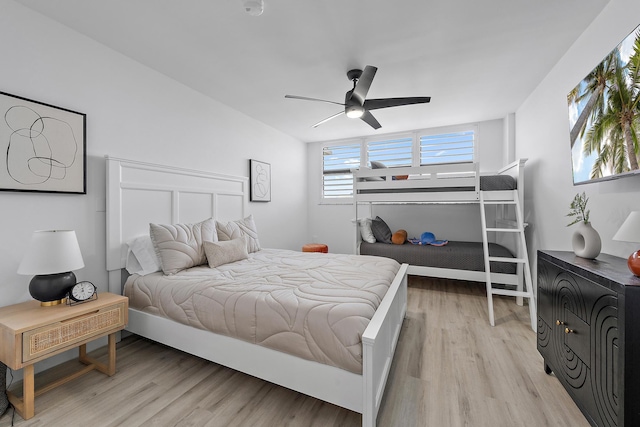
139 193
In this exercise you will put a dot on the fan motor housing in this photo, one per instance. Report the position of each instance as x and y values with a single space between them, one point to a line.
354 74
349 101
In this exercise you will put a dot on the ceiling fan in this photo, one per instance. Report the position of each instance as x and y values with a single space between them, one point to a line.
355 103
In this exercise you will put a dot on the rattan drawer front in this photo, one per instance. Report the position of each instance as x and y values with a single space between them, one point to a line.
50 338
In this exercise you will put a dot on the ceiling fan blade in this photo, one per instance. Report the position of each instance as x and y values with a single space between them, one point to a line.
304 98
364 83
370 120
327 119
374 104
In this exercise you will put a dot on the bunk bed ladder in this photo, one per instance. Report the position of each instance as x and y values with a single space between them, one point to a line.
522 258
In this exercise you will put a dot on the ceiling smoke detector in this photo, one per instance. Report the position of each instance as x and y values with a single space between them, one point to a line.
253 7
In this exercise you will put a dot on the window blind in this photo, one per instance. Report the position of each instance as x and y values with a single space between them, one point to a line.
391 152
337 162
454 147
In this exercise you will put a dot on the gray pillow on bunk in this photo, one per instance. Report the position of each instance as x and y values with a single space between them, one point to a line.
381 230
377 165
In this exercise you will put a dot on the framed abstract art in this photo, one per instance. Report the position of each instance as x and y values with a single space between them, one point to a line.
43 147
259 181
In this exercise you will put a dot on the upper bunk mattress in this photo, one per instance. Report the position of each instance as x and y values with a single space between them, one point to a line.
454 255
312 305
487 183
497 183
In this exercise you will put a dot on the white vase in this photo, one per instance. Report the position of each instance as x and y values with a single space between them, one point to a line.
586 241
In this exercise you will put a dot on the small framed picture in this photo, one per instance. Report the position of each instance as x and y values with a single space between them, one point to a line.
44 147
259 181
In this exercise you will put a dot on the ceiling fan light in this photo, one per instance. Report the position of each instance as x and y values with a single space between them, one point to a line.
355 112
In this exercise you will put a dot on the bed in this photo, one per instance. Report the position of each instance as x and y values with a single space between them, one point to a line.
139 193
503 251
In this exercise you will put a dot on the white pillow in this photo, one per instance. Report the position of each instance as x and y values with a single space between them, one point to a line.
141 256
235 229
224 252
179 246
365 230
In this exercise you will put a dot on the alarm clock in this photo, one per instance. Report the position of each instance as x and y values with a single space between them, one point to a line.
82 292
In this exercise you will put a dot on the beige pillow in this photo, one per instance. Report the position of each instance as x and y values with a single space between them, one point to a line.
179 246
235 229
220 253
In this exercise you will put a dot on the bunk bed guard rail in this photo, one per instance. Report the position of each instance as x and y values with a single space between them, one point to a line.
459 182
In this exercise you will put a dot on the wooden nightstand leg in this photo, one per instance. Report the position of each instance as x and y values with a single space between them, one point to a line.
82 352
108 368
112 354
28 394
25 406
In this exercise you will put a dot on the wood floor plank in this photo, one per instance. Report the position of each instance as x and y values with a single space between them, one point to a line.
451 368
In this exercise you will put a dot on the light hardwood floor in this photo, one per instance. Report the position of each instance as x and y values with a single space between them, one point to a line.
451 369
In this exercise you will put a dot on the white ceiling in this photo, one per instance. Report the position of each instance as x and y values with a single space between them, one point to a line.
478 60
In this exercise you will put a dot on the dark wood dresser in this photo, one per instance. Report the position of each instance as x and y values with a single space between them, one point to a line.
589 333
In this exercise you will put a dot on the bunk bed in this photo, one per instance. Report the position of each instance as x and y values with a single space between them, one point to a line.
485 261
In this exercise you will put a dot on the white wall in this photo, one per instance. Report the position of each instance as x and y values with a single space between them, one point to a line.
331 224
542 130
134 113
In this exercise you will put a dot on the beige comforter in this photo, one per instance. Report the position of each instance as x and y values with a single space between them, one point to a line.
311 305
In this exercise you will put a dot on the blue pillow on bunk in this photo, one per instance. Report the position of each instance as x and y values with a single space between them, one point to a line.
427 238
381 230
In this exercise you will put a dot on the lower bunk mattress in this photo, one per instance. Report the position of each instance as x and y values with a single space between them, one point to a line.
454 255
311 305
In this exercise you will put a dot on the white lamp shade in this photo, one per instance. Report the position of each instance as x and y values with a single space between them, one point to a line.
51 252
630 229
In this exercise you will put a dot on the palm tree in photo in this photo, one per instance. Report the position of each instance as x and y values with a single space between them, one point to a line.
596 84
614 132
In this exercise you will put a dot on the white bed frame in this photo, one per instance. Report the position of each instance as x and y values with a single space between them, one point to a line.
139 193
440 176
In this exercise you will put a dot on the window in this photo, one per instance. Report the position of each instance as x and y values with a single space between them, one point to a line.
392 152
337 162
454 147
425 147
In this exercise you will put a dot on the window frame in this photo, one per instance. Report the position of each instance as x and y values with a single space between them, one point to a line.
415 151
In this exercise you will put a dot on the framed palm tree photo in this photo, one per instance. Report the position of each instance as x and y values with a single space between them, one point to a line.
43 146
604 116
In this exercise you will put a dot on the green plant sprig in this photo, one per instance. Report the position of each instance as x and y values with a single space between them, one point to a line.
578 209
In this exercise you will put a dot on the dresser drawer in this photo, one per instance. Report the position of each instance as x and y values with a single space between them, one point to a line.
68 333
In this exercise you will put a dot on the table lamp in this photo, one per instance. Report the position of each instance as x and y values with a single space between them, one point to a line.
630 232
51 256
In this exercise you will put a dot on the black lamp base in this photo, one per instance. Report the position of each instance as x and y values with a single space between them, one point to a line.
51 289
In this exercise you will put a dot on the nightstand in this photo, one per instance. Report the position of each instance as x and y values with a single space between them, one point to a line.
30 333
